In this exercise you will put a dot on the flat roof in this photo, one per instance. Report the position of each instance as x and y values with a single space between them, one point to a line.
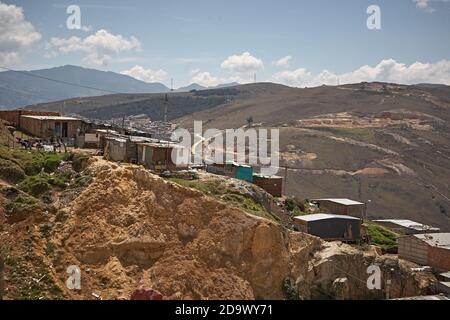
51 118
409 224
441 240
160 145
106 131
324 216
346 202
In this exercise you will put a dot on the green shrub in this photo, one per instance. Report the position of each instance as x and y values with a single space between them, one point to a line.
36 185
290 291
51 163
382 237
79 162
295 207
20 203
11 172
82 181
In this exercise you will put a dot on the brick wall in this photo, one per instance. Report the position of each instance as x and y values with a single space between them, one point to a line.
439 258
13 116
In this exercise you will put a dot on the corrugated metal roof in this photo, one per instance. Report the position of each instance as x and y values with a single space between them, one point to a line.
324 216
441 240
161 145
409 224
346 202
56 118
445 275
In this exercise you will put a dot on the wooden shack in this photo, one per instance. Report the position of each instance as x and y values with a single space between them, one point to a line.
159 156
431 249
272 184
120 149
341 206
330 227
47 127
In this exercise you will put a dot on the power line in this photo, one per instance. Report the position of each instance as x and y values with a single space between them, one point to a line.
28 93
60 81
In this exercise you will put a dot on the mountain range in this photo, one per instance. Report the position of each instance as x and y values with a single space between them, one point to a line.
23 88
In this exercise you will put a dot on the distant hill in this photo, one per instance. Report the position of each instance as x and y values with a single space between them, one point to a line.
152 104
196 86
18 89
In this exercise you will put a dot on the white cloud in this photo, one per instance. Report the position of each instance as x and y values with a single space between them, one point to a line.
387 70
425 4
204 79
99 48
147 75
283 62
243 63
16 33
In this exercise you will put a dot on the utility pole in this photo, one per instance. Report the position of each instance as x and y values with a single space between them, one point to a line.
285 179
166 102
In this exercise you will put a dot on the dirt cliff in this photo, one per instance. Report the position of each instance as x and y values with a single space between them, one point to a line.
130 228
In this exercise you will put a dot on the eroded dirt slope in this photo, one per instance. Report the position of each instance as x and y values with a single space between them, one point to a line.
130 228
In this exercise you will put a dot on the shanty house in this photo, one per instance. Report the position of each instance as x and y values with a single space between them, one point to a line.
225 169
331 227
426 249
14 116
243 172
406 226
46 127
232 169
341 206
159 156
271 184
120 149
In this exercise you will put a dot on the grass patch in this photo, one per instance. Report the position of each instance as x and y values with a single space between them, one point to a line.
31 283
382 237
10 171
41 184
296 207
243 202
32 162
21 203
211 187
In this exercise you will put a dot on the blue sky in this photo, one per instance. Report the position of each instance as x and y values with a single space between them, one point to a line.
212 42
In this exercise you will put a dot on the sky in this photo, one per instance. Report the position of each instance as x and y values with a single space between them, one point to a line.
209 42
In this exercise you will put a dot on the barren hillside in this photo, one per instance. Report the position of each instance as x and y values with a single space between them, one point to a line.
385 144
